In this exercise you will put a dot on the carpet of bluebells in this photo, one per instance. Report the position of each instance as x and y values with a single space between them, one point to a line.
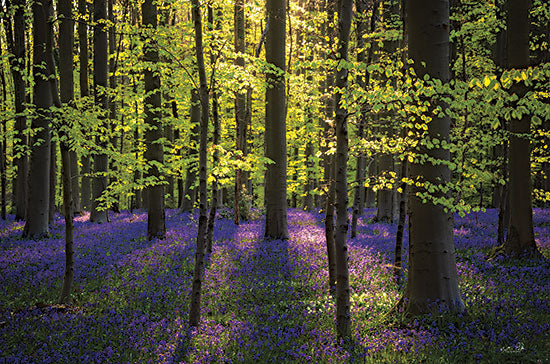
264 301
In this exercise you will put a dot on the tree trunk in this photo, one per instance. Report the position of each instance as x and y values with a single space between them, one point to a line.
66 91
38 201
195 306
329 228
188 198
3 147
112 104
240 105
53 180
15 35
84 92
520 239
153 118
275 123
99 183
432 283
343 319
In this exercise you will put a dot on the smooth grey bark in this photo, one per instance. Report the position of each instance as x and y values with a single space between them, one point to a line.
195 306
520 239
99 182
154 156
53 179
432 282
343 319
63 97
275 123
38 201
240 106
189 192
85 192
15 35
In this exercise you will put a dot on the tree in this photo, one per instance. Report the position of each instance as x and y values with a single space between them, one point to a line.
15 35
99 183
343 319
432 281
195 306
38 198
84 93
275 122
240 106
520 239
154 154
189 192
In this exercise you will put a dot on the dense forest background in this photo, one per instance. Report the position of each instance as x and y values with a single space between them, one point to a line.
238 110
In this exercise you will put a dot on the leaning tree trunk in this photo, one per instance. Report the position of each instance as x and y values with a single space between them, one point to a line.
195 306
520 239
432 281
99 183
343 319
38 201
275 123
153 118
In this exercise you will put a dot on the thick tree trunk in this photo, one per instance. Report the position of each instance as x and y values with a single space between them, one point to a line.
189 193
520 239
275 123
153 118
343 319
432 282
38 201
99 183
195 306
16 46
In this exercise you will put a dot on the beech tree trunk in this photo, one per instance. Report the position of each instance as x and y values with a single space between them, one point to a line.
343 319
3 148
99 183
520 239
38 202
84 92
240 106
195 307
66 97
189 193
432 283
15 35
153 118
275 123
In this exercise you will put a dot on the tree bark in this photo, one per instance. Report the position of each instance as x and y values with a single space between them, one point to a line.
188 198
38 200
99 183
195 307
520 239
343 319
432 283
15 34
275 123
84 92
240 106
156 227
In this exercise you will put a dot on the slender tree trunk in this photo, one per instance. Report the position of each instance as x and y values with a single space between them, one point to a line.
188 198
329 229
520 239
38 201
99 183
240 105
66 91
432 280
15 34
84 92
112 104
53 182
195 307
343 319
3 147
275 123
153 118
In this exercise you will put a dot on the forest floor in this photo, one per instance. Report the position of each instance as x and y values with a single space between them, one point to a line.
263 302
